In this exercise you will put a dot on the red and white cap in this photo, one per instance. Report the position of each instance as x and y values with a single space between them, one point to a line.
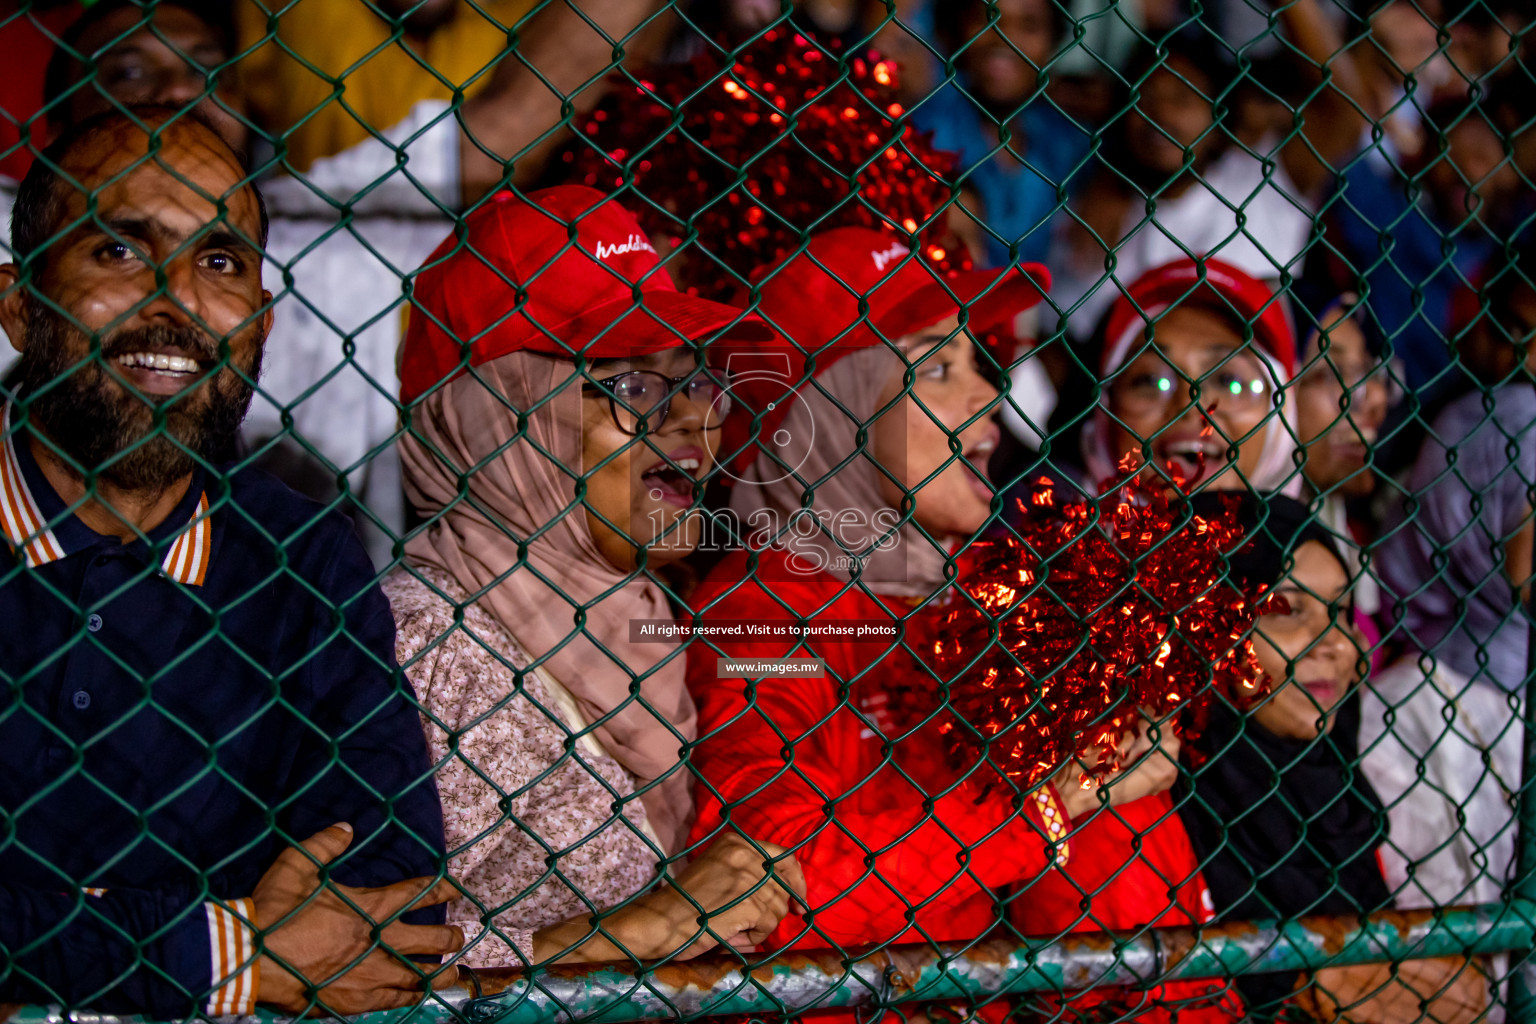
1208 283
852 288
565 272
1222 288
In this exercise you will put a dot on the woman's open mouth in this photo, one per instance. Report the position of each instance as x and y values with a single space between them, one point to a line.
979 454
1187 459
674 479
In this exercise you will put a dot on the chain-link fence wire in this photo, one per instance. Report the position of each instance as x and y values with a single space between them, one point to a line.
1368 165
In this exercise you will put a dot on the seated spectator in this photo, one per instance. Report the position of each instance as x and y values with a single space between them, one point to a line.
1341 400
906 38
1401 66
386 59
422 161
145 67
1270 812
1213 197
1512 108
1282 821
549 503
119 53
1084 75
227 681
852 505
1486 39
1198 404
1410 250
332 287
1441 727
1017 149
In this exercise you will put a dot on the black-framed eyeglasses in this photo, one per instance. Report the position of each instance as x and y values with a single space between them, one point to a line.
645 397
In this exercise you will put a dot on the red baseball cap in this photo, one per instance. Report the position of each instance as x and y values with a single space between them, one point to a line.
813 300
565 271
1205 282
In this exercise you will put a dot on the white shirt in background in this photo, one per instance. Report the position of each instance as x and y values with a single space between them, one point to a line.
1410 716
1240 212
7 203
343 242
1452 838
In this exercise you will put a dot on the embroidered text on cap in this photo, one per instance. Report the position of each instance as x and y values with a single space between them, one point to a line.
635 243
884 257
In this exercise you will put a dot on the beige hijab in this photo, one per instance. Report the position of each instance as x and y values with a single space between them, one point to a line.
465 438
853 533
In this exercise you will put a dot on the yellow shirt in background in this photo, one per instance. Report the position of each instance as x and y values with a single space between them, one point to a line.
357 76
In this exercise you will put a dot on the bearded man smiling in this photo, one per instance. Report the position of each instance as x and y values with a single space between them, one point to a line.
202 705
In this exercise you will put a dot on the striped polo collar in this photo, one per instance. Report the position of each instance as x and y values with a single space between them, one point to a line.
28 532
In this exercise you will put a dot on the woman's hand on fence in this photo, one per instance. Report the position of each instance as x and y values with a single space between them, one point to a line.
310 934
1453 990
1148 765
741 890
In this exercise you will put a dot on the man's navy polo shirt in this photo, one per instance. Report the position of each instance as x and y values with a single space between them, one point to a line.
179 709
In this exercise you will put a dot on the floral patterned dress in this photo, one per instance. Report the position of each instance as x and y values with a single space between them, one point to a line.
540 827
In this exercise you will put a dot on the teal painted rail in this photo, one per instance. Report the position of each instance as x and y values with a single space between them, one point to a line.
795 982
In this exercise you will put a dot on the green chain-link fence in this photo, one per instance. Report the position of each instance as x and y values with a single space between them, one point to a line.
944 266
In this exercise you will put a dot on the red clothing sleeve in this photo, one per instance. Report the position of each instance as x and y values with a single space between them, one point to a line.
1133 867
886 834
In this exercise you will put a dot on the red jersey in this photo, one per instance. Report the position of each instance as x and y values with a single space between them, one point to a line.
895 847
1132 867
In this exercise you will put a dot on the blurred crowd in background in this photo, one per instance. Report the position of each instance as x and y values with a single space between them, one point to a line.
1359 175
1371 149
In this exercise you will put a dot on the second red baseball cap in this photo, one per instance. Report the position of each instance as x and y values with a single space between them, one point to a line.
565 271
1204 282
853 288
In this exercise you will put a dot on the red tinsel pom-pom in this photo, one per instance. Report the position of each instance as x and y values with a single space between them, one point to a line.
747 159
1065 630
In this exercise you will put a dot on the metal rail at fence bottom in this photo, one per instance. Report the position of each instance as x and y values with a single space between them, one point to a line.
798 981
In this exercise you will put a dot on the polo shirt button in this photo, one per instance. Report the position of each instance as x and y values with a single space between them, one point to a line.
93 624
82 700
102 560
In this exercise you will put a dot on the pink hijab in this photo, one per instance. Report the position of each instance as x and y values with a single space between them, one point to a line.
847 528
507 526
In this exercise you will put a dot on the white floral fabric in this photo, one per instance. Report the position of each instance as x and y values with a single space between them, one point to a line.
542 825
